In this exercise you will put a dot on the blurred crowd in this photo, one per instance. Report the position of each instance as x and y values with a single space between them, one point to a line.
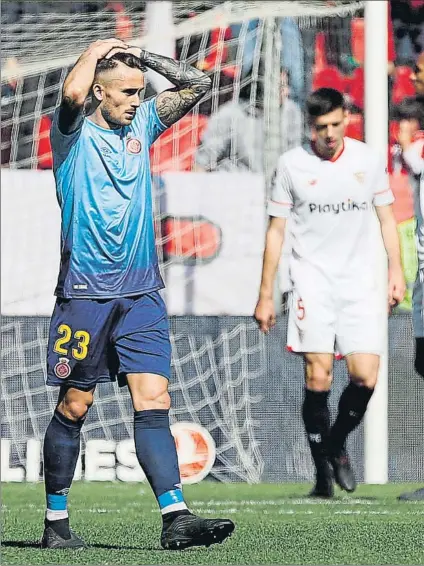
227 130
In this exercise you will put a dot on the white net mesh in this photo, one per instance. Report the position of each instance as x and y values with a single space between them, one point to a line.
212 386
263 58
227 39
49 35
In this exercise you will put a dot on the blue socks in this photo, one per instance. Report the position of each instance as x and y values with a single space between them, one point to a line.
157 455
61 450
155 449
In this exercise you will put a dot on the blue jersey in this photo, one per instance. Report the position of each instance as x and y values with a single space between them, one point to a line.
104 189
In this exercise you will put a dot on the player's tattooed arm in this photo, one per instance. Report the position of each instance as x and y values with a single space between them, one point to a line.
190 86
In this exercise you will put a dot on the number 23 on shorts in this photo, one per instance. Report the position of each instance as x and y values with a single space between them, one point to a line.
83 340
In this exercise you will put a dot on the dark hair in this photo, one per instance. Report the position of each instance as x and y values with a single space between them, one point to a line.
127 58
323 101
410 109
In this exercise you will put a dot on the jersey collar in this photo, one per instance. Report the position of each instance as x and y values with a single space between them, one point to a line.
332 159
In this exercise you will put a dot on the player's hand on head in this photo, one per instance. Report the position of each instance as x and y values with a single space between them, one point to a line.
102 47
133 50
265 314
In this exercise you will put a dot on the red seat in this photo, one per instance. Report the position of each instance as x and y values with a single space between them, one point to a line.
355 128
42 143
356 88
175 149
329 77
357 34
403 85
217 51
393 131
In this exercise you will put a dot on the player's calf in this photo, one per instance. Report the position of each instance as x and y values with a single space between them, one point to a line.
316 414
60 451
363 370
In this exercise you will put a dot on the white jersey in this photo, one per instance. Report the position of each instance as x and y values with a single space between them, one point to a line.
331 205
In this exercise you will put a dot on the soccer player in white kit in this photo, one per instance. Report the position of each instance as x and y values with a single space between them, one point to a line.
330 188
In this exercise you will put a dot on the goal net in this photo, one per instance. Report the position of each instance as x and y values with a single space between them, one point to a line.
211 175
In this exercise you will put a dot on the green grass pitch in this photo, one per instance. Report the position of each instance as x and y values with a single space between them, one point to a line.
275 524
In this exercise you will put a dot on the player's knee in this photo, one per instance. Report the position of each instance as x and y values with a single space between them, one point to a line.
319 374
363 370
75 407
152 401
369 380
149 392
319 382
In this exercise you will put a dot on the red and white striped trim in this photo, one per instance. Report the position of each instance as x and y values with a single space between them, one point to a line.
382 192
286 204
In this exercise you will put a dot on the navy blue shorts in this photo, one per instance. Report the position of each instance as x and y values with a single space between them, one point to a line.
93 341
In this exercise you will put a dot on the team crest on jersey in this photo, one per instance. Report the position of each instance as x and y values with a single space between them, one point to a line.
62 369
360 176
133 146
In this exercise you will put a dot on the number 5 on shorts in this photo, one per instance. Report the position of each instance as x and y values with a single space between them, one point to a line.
300 310
80 352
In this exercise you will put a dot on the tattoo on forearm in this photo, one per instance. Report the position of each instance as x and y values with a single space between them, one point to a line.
191 85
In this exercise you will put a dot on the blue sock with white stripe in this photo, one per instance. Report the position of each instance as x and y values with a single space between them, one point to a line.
157 455
61 450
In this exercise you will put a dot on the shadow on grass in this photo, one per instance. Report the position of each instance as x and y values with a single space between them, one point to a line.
21 543
36 544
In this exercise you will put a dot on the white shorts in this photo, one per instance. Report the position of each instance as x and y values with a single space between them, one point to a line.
335 319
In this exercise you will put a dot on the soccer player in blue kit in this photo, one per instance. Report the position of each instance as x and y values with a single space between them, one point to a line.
109 320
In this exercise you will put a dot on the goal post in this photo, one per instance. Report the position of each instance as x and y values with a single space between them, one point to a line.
376 135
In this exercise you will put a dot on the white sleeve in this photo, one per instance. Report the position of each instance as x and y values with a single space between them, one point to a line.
414 157
382 193
281 201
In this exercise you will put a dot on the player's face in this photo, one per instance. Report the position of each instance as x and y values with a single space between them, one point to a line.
328 132
418 75
120 95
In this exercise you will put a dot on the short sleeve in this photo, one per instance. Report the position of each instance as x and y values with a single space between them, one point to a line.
281 201
62 143
382 193
148 114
